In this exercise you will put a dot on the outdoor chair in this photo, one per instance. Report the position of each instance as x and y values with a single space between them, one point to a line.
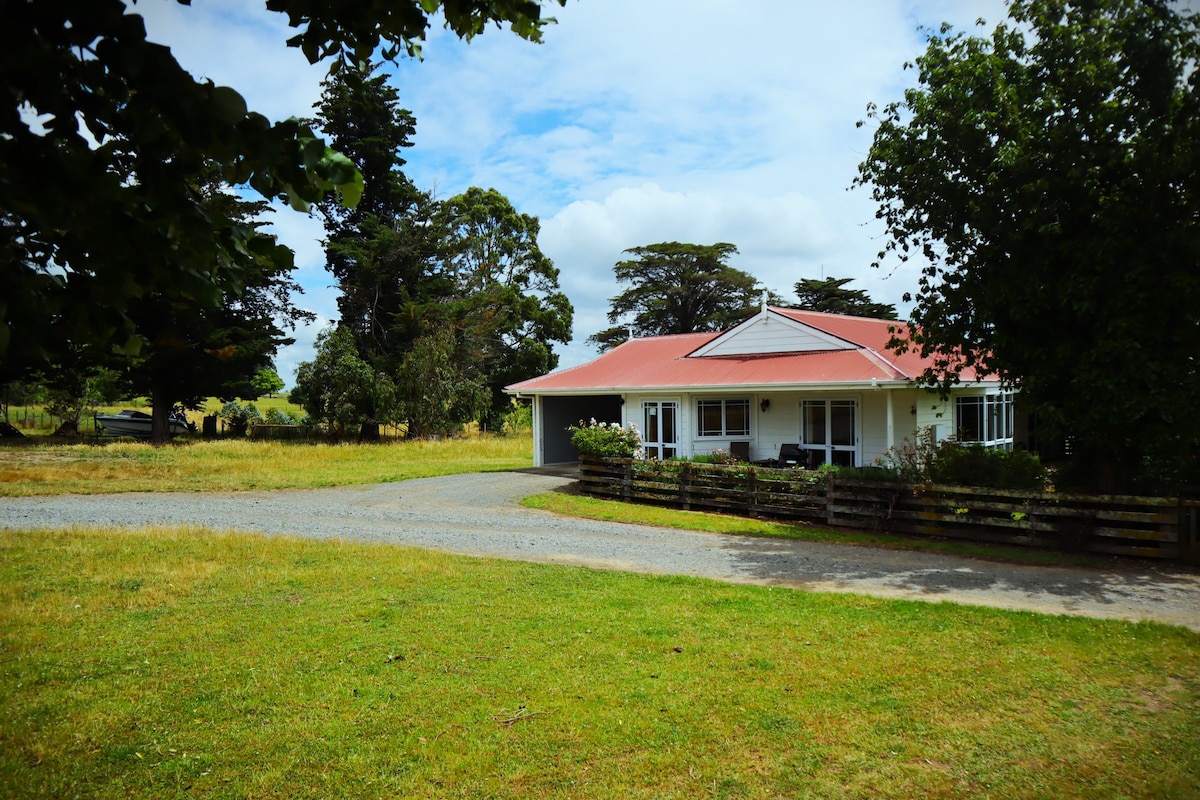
740 451
791 456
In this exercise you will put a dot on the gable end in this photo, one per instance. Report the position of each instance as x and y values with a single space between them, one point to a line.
771 333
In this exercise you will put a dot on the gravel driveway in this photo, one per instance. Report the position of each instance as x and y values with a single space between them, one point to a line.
480 515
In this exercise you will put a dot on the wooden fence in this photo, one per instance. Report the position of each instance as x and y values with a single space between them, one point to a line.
1149 527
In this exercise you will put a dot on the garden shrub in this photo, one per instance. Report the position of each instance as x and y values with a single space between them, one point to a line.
869 473
277 416
717 456
238 417
926 460
975 465
606 439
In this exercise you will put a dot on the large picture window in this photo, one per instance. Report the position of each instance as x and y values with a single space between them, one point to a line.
985 419
723 418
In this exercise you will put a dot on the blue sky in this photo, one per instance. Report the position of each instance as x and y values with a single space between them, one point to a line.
635 122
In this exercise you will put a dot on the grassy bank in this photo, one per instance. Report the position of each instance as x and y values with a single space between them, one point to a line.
615 511
175 663
240 464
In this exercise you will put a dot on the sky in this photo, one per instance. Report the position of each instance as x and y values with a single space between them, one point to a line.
634 122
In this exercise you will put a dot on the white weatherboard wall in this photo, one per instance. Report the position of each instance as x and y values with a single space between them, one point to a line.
768 333
780 423
936 413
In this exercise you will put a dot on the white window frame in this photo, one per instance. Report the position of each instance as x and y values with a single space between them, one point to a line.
724 432
827 448
654 448
994 417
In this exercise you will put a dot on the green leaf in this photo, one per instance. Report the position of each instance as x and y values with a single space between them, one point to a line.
296 201
228 105
351 192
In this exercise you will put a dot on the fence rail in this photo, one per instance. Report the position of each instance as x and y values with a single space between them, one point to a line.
1148 527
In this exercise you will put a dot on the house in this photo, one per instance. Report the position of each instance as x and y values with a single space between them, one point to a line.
784 376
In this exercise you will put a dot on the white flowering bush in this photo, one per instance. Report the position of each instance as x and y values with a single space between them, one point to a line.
606 439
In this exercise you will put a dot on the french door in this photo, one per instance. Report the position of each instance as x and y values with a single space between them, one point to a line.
660 428
829 432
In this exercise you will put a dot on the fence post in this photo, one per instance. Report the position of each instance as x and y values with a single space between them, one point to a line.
830 513
752 491
685 481
1189 531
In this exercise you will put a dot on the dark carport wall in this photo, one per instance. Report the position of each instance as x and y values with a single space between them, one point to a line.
559 413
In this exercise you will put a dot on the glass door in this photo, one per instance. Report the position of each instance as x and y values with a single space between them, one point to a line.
660 428
829 432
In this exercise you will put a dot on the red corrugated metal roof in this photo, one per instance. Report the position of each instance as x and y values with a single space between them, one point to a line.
662 362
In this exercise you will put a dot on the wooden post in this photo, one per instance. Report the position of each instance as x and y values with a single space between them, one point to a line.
830 514
685 480
751 491
1189 531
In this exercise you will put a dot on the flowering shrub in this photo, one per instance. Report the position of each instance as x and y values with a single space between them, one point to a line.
606 439
912 460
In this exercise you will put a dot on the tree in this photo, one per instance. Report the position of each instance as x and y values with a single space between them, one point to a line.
678 288
831 296
385 252
191 351
266 381
511 307
435 394
1050 175
418 274
96 203
340 389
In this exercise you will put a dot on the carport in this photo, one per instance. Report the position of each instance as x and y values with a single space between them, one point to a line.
553 414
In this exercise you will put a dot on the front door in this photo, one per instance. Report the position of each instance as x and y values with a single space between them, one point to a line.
829 432
660 428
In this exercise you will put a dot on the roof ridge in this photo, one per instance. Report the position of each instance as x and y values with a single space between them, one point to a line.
785 309
878 358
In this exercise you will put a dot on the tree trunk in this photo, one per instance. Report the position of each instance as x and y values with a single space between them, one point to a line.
160 414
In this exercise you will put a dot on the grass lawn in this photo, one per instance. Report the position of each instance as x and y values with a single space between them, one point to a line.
182 663
28 467
616 511
35 420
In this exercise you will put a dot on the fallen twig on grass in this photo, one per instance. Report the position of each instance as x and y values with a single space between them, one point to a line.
522 714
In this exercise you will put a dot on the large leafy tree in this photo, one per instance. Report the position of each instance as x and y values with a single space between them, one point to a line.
678 288
831 296
512 309
341 390
436 391
103 133
456 292
385 252
1049 174
193 351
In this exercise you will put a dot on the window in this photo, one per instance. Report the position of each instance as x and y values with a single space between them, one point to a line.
985 419
723 417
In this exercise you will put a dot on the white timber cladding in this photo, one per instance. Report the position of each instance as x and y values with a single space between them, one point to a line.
935 413
780 423
771 333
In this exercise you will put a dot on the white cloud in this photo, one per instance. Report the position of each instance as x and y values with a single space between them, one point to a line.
635 122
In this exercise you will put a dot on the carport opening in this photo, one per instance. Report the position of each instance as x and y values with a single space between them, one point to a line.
559 413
